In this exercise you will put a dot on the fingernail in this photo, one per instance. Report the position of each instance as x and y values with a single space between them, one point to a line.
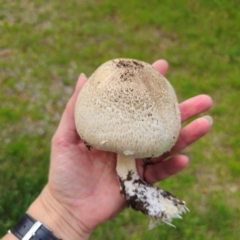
80 78
210 119
82 75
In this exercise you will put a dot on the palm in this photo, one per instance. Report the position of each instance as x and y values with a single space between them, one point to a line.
74 167
86 181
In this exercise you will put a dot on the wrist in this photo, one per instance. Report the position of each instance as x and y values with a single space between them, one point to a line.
55 216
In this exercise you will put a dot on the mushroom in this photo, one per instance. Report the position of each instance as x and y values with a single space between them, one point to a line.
128 107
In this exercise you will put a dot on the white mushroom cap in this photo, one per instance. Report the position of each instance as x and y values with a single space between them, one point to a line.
127 107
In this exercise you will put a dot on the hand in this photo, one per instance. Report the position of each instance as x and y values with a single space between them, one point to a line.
83 189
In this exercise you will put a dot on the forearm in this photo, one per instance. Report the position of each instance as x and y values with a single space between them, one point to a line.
52 214
9 236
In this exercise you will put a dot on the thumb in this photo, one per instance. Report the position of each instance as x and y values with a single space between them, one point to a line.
66 131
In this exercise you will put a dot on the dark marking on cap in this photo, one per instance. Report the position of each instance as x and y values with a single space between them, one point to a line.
87 144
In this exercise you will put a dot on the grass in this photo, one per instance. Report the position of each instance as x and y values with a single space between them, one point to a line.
45 45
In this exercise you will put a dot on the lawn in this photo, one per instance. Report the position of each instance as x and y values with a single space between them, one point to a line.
45 45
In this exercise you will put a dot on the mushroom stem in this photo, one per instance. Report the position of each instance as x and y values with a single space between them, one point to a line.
125 164
141 196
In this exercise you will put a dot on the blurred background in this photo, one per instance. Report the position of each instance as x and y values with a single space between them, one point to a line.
45 45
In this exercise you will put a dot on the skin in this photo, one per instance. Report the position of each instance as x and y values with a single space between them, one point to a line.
83 190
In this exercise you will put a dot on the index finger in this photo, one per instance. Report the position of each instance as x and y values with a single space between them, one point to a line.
161 65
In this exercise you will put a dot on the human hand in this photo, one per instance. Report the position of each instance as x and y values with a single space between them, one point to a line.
83 189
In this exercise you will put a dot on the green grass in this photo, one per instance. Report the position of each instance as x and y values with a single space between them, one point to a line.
45 45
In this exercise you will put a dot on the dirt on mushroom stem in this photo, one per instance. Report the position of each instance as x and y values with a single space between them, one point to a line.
141 196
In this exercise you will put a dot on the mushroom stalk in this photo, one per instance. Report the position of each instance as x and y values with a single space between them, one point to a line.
141 196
